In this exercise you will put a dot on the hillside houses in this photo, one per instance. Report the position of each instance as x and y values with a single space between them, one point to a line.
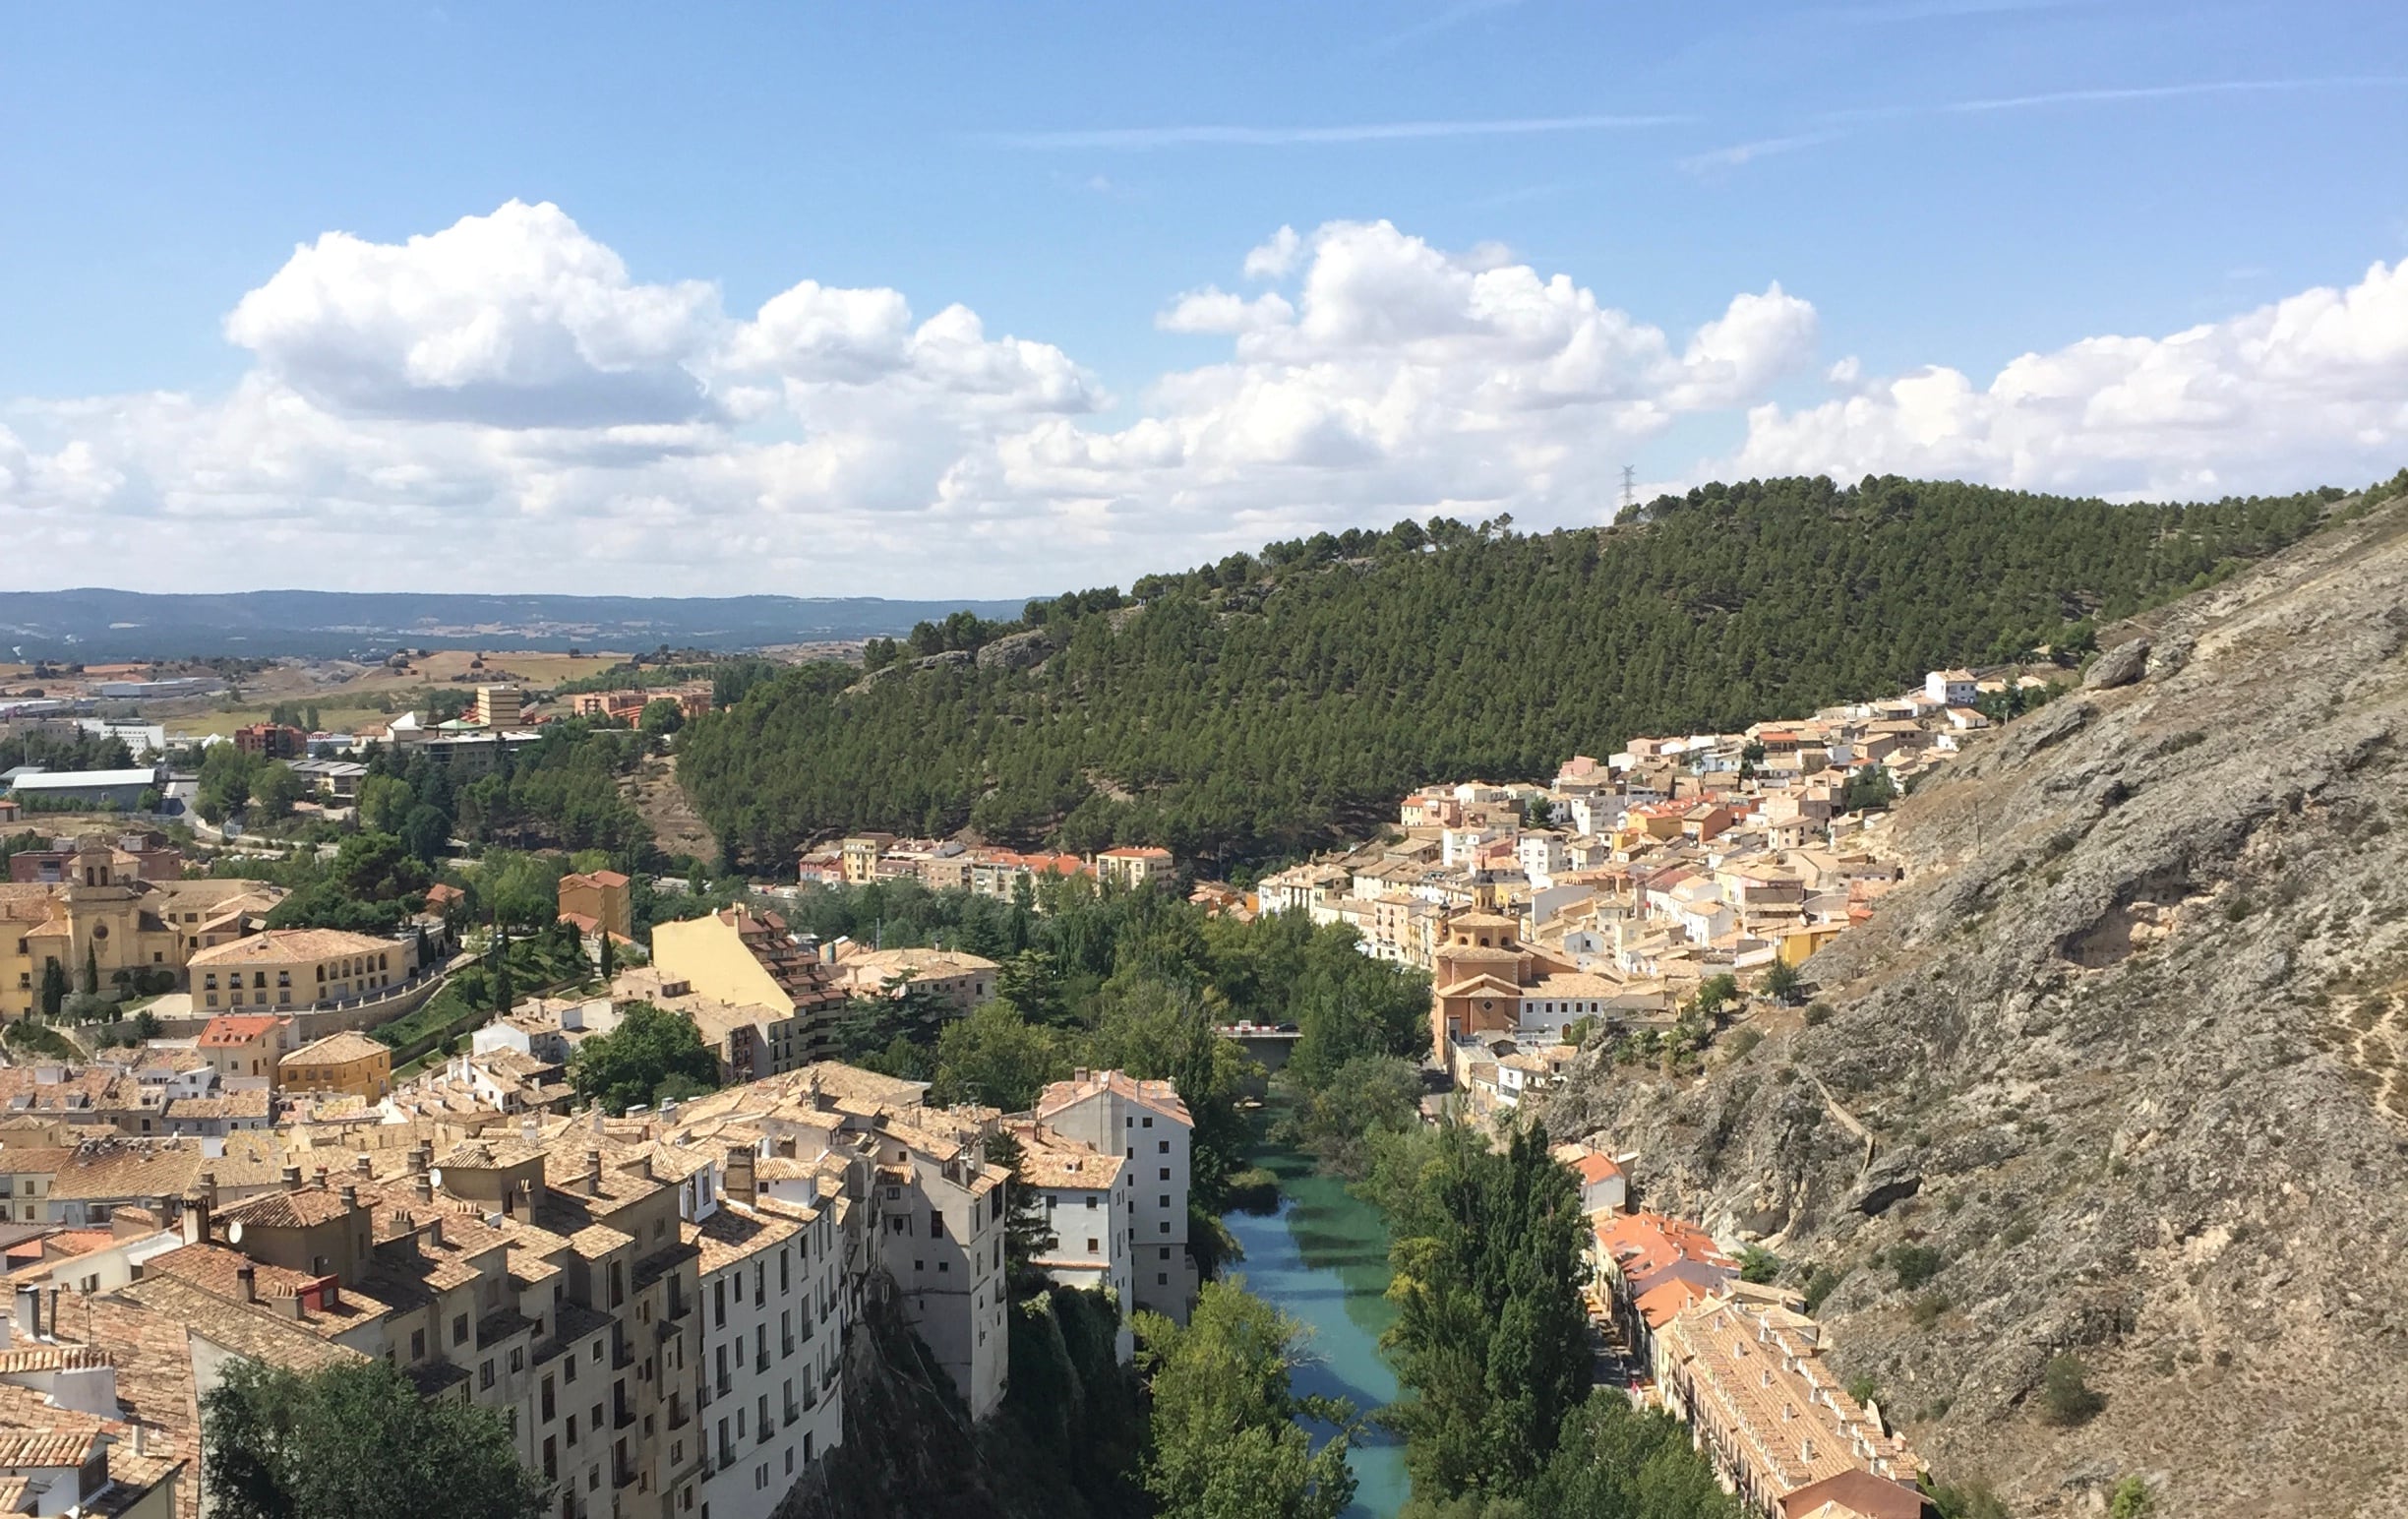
1626 881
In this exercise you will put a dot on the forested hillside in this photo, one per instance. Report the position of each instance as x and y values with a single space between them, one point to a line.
1258 707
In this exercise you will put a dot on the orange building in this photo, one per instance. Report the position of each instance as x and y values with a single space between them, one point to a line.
598 902
1480 972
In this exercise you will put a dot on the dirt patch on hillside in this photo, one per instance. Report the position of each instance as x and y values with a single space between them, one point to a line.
676 826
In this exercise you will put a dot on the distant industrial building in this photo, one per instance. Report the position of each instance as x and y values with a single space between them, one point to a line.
121 789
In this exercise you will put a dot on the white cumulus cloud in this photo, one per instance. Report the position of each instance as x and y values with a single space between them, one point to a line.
503 405
2309 390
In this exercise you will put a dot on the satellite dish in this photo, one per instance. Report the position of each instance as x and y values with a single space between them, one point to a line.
435 1176
234 1232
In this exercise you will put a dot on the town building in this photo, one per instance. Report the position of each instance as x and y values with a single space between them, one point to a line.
139 854
599 902
1132 866
1745 1369
962 979
1151 1129
748 961
1085 1199
122 790
751 1040
104 916
344 1064
292 969
243 1046
271 740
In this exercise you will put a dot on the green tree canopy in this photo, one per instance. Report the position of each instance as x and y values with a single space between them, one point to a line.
355 1442
631 1063
997 1058
1226 1443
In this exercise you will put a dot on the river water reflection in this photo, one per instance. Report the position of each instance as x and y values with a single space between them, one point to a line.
1323 1259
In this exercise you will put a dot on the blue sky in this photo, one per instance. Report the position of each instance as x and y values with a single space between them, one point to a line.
1948 183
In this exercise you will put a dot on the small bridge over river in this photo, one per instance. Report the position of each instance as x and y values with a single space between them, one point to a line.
1265 1043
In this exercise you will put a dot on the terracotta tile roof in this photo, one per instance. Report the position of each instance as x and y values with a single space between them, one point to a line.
337 1049
734 1232
1161 1096
303 1209
229 1029
278 947
260 1335
25 1358
35 1434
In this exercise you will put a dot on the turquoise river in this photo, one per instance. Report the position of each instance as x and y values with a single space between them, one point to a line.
1323 1259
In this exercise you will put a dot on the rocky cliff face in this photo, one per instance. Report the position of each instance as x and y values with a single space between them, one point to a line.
2129 1055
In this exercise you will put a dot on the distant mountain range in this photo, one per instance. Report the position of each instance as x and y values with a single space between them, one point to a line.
97 623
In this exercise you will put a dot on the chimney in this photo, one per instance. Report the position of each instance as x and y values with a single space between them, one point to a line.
28 1324
321 1176
426 1188
740 1185
593 1167
196 1219
292 1176
530 1129
434 1232
350 1199
360 1165
246 1282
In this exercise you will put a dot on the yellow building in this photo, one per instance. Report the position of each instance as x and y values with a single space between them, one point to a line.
1797 944
861 855
736 957
103 916
598 903
289 969
1134 866
340 1064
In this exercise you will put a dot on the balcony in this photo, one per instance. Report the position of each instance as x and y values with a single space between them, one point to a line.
622 1411
679 1418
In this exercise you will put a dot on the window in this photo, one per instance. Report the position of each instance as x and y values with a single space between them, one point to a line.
1166 1173
1091 1200
1092 1245
549 1412
517 1358
1161 1278
1165 1252
485 1374
571 1429
1165 1201
417 1344
935 1225
551 1460
1149 1123
719 1303
459 1328
1165 1225
1162 1148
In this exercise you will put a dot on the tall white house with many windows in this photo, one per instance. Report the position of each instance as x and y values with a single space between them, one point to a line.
1084 1195
1150 1127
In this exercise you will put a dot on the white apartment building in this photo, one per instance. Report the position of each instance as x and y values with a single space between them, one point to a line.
766 1388
1150 1127
1085 1197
